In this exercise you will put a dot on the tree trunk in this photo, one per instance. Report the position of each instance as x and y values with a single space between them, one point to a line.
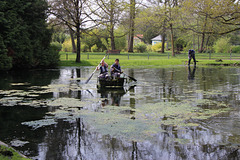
73 42
112 26
163 42
112 41
203 35
78 59
132 25
172 40
202 43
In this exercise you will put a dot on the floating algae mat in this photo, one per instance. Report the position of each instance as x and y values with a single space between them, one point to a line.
145 122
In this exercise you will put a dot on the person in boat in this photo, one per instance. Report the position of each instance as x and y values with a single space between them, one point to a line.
103 70
191 55
116 69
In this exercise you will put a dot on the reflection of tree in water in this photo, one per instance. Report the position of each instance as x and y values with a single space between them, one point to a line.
73 140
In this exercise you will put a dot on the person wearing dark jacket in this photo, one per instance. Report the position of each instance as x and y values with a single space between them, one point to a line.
116 69
103 70
191 55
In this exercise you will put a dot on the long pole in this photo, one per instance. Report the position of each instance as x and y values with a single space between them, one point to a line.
95 70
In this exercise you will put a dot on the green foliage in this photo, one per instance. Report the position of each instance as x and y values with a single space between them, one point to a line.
49 58
84 48
106 43
180 44
67 45
141 47
236 49
57 45
157 47
5 62
15 155
222 45
24 31
59 37
120 39
94 48
149 48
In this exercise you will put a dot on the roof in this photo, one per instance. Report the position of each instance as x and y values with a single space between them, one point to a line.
158 38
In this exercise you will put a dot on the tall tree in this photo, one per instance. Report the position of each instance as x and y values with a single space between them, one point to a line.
24 33
207 18
109 14
76 15
131 25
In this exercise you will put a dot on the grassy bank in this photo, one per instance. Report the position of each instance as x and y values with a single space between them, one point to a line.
147 59
8 153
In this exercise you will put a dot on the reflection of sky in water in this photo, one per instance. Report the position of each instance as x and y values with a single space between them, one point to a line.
215 138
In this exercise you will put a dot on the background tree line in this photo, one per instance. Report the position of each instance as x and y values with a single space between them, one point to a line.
33 31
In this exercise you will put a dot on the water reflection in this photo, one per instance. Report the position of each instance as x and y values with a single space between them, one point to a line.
214 138
191 74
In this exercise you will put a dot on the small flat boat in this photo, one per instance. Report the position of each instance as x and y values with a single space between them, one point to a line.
110 83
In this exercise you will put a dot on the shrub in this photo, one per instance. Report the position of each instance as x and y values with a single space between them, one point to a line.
67 45
149 48
94 48
5 62
84 47
235 49
141 47
49 58
222 45
157 47
57 45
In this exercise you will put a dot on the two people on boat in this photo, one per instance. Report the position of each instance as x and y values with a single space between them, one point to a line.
115 70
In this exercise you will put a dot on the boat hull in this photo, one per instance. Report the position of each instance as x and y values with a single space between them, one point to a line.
111 83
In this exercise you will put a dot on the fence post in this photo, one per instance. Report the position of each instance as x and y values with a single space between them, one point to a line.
88 56
67 57
128 55
168 55
148 56
108 55
209 55
230 55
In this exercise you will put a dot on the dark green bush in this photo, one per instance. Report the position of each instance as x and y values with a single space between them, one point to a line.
49 58
5 62
236 49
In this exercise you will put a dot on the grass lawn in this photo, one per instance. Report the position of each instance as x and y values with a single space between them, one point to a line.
147 59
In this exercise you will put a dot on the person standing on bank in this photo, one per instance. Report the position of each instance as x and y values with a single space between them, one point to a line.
191 55
116 69
103 70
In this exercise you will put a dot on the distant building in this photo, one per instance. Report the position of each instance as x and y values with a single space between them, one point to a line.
158 39
138 38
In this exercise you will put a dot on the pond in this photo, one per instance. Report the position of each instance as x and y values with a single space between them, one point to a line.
170 113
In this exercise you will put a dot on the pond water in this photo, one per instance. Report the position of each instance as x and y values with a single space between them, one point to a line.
170 113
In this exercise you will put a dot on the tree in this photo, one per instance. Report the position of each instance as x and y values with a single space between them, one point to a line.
76 15
24 33
210 18
161 14
109 14
131 25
